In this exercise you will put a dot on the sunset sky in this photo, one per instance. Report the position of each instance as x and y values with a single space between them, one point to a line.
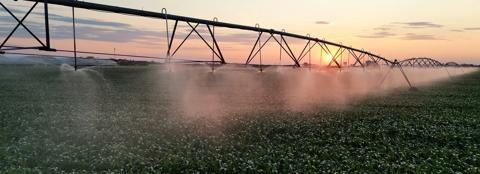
446 30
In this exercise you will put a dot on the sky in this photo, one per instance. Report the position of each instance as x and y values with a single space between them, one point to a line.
446 30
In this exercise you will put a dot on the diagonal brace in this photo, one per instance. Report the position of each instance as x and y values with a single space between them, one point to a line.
203 39
290 54
216 44
334 58
184 40
259 49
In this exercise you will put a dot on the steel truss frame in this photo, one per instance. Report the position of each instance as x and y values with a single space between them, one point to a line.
44 46
398 65
278 36
421 62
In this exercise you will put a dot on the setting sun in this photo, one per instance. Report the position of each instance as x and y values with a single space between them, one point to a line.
327 59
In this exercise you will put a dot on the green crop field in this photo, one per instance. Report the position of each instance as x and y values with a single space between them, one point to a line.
121 120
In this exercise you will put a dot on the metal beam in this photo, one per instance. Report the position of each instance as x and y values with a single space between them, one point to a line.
253 49
47 23
357 58
185 39
215 44
170 42
284 49
308 52
203 39
74 39
259 50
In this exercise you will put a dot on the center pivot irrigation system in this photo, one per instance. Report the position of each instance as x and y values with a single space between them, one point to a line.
362 57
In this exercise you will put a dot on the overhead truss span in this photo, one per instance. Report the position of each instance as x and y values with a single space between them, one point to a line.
278 36
421 62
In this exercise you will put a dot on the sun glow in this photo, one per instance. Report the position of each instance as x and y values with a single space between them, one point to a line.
327 59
